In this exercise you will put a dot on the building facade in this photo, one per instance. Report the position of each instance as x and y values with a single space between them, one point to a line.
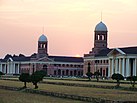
109 61
53 65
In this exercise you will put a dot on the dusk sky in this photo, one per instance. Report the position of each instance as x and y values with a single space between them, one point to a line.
68 24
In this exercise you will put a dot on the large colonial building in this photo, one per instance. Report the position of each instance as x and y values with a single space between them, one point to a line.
53 65
109 61
102 58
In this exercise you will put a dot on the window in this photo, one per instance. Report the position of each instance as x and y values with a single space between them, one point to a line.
63 65
67 65
67 72
71 65
55 72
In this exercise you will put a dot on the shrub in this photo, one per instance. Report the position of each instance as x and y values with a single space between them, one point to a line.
132 80
97 74
1 73
25 77
89 74
117 77
37 77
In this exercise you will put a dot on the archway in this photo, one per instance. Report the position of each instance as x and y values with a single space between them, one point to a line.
45 68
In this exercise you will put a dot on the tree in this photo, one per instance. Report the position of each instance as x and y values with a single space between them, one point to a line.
132 80
89 74
37 77
1 73
25 77
97 74
117 77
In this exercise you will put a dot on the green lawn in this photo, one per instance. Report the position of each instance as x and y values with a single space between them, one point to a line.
86 82
7 96
111 94
83 81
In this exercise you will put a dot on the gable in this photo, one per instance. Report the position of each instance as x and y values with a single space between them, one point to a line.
115 52
45 59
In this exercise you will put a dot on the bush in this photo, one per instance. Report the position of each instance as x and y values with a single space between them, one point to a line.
37 77
89 74
117 77
1 73
25 77
132 80
97 74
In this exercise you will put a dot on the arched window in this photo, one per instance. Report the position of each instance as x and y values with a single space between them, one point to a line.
63 73
55 73
63 65
67 65
78 73
98 37
101 71
71 73
75 72
59 72
67 72
45 68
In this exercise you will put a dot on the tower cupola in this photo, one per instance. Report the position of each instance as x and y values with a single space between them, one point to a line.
42 46
100 37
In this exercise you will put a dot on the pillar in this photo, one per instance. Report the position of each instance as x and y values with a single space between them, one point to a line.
134 67
18 69
120 67
123 67
1 67
112 67
7 68
116 70
109 68
13 68
127 67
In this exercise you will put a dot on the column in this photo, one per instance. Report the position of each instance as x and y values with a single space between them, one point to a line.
13 68
120 68
127 67
116 69
1 67
18 69
112 67
109 68
5 69
123 67
134 67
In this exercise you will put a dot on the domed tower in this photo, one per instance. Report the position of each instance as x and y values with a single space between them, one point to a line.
100 37
42 46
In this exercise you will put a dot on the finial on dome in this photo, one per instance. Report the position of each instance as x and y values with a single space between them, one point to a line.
101 16
43 30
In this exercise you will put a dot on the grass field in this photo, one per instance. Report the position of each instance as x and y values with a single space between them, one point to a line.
87 82
111 94
7 96
82 81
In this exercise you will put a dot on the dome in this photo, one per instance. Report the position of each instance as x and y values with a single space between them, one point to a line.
43 38
101 27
